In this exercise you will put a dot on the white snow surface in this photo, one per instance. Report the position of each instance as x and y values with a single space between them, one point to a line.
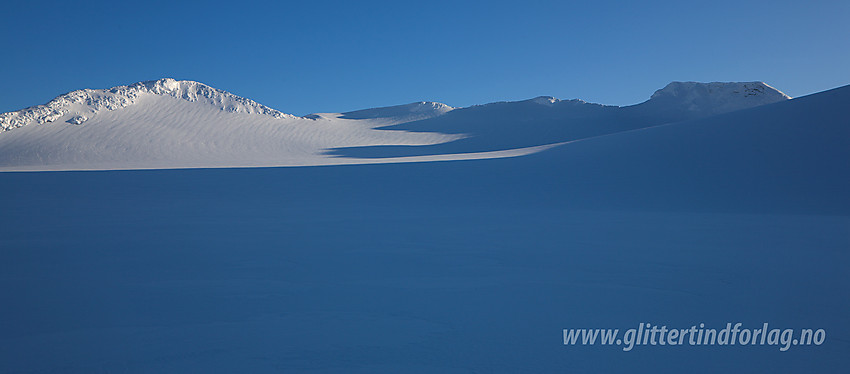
80 103
718 97
184 124
170 123
438 267
404 113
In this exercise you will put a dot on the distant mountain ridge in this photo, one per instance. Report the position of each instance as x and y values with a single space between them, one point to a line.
546 119
169 123
77 106
420 109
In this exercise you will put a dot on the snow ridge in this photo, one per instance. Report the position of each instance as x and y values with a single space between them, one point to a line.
429 106
76 107
407 112
552 101
545 100
717 97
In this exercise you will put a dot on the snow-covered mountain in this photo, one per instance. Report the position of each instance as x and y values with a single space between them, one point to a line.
77 106
545 120
428 267
184 124
717 97
691 100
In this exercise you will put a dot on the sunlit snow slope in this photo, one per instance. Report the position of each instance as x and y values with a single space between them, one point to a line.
183 124
179 124
443 267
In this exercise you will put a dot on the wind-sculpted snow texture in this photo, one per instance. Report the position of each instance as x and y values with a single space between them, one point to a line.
82 103
470 266
185 124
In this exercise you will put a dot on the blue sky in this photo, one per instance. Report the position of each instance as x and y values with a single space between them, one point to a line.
303 57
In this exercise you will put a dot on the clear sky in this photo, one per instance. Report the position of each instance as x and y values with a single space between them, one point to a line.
319 56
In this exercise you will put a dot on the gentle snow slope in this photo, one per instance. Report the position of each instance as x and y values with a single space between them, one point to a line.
443 267
184 124
546 120
180 124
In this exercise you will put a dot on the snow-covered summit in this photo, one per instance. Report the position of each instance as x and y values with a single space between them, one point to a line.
552 101
77 107
716 97
412 111
545 100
